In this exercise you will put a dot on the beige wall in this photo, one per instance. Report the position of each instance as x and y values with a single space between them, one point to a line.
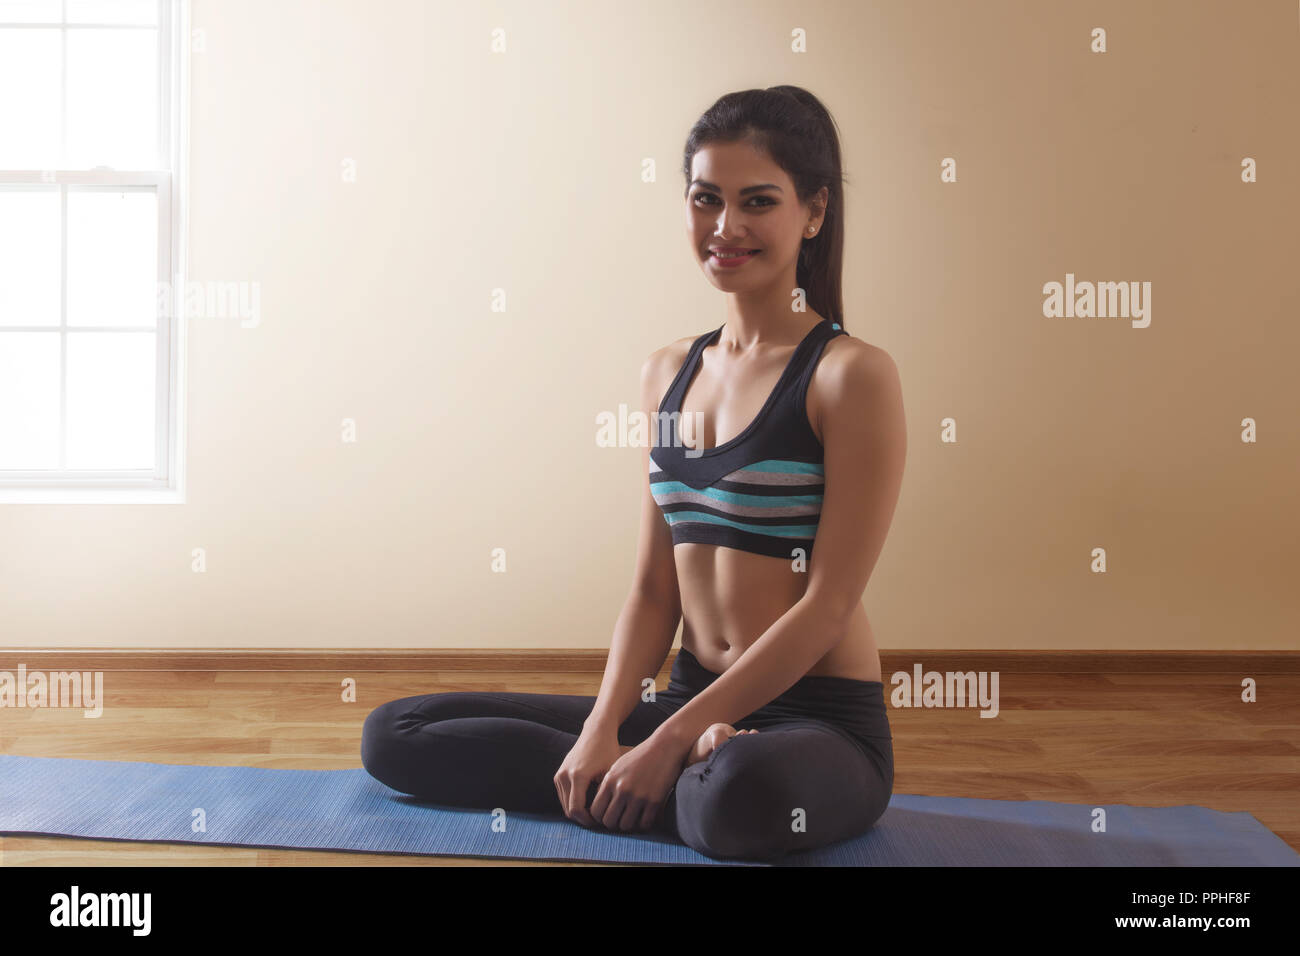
521 171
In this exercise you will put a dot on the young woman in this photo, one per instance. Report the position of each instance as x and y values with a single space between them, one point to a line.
772 735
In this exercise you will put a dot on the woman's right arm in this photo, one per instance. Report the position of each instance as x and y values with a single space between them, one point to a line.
643 633
648 623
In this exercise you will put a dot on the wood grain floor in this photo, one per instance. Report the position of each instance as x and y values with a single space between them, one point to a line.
1141 738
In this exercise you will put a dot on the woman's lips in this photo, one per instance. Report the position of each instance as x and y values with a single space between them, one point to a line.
732 261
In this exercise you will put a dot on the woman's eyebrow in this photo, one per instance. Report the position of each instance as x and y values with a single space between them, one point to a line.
748 189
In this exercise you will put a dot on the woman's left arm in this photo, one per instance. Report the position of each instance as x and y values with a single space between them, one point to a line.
864 435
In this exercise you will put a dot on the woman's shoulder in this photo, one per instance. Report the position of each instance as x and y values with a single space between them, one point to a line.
853 375
850 355
661 366
850 373
675 349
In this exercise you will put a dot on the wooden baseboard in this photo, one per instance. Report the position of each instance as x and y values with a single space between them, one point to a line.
1247 663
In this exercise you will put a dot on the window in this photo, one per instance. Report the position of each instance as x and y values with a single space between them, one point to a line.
92 145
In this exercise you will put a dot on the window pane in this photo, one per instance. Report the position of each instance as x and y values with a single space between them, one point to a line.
30 61
30 11
29 256
110 399
29 399
112 11
112 257
113 98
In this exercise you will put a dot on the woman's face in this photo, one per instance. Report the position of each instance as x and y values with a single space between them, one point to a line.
739 199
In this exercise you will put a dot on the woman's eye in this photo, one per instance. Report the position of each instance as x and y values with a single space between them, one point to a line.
766 201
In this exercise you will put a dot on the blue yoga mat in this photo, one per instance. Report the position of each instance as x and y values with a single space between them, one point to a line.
350 810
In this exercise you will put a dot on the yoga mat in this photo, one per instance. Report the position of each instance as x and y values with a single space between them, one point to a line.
350 810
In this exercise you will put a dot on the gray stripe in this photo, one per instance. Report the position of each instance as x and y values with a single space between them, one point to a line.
748 511
773 477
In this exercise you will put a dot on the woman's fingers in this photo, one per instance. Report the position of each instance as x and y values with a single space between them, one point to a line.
648 815
614 812
600 802
573 809
631 816
578 801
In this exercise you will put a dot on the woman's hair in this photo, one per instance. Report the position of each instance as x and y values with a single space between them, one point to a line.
791 126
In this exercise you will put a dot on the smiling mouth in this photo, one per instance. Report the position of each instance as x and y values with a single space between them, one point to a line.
735 255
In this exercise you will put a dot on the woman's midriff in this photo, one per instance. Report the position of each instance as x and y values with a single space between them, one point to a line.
730 598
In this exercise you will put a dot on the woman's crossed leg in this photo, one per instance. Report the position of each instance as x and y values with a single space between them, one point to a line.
795 784
487 750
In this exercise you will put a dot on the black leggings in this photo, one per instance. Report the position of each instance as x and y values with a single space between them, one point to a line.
821 768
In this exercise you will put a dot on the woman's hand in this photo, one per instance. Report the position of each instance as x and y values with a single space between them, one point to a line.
637 785
591 756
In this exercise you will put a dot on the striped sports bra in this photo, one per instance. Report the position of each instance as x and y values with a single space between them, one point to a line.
759 492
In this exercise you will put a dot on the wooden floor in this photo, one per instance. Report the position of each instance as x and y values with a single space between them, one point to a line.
1146 739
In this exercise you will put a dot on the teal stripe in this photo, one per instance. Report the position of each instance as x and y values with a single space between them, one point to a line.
781 531
780 464
732 497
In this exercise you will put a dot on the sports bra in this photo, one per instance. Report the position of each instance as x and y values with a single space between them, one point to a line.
761 491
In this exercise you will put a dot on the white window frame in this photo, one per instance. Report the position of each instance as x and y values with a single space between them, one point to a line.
166 483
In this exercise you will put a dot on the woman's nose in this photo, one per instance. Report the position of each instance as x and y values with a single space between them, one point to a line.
727 224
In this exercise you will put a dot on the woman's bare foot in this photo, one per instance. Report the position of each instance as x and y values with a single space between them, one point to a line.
711 740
